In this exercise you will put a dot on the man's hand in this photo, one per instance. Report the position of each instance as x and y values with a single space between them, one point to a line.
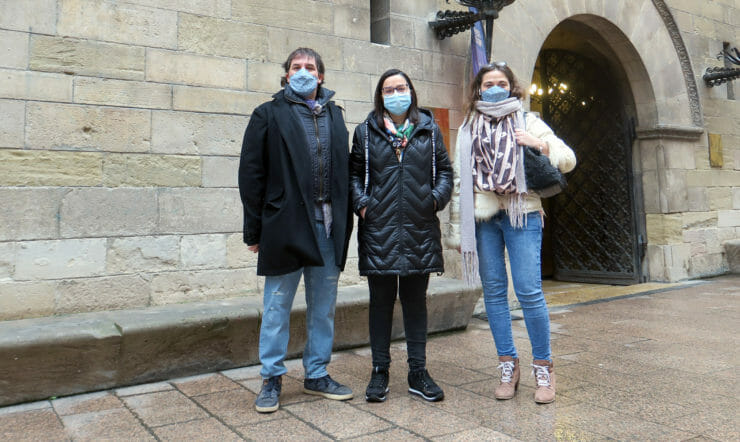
362 212
255 248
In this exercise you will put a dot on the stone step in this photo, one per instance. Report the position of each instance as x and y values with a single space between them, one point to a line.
58 356
732 251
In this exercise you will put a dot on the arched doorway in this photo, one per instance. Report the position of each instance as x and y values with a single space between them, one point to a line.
593 232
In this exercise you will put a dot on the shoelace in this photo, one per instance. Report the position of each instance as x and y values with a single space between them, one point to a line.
542 373
507 371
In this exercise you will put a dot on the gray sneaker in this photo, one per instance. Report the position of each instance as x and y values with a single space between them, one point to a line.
328 388
268 399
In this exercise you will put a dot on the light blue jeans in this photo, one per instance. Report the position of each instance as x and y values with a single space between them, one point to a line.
321 297
523 245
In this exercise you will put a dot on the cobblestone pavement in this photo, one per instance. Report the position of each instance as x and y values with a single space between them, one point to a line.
657 366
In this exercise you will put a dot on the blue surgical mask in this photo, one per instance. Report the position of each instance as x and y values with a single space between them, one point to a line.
397 104
303 83
494 94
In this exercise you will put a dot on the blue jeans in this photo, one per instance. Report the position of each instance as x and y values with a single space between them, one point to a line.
523 245
321 297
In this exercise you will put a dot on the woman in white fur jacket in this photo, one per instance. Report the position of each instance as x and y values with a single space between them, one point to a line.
492 210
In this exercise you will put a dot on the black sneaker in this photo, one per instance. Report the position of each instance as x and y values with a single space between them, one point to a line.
378 386
328 388
422 384
268 399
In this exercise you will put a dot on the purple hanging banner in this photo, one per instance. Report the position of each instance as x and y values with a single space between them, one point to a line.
478 45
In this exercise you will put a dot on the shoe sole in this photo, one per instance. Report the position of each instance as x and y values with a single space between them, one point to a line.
544 402
267 409
506 398
427 398
334 397
379 398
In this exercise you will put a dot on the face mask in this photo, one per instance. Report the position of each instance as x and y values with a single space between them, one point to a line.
303 83
397 104
494 94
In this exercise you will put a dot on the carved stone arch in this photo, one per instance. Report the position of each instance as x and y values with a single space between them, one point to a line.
642 34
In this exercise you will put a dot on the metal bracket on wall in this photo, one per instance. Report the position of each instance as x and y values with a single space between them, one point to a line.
715 76
449 23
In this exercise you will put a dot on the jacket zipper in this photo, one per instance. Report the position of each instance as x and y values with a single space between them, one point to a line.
321 159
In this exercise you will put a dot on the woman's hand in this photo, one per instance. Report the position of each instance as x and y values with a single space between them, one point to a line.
362 212
525 139
255 248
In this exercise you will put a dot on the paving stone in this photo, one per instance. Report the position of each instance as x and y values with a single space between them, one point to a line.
117 424
287 429
206 384
205 429
149 407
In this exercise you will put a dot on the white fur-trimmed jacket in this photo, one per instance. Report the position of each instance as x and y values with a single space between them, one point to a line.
488 204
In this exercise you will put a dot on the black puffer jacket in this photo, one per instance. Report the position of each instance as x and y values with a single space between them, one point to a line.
400 234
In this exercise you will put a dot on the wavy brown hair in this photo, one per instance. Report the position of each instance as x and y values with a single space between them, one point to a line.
473 95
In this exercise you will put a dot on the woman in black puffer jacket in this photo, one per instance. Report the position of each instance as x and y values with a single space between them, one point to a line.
400 176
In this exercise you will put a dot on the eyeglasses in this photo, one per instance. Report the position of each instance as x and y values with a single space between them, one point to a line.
401 89
497 64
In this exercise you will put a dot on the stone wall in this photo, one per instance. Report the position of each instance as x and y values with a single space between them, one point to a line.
694 236
121 125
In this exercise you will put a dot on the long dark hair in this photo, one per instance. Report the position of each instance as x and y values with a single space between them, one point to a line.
515 88
308 52
413 112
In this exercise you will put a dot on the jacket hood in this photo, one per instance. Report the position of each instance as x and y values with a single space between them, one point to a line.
426 120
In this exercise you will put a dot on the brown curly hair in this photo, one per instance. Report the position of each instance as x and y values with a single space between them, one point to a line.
515 88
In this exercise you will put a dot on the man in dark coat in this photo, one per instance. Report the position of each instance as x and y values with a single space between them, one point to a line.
294 185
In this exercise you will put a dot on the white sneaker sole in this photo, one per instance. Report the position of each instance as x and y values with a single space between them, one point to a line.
427 398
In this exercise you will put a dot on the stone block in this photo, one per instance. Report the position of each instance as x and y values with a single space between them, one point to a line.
35 168
698 199
99 212
351 86
220 101
12 123
21 300
118 22
736 198
26 85
144 170
699 220
220 172
212 36
713 178
106 293
402 31
143 254
447 96
719 198
453 71
7 260
285 41
424 39
374 59
673 190
357 111
664 229
237 254
198 70
203 251
204 285
264 77
732 252
122 93
656 262
678 154
217 8
728 218
40 358
303 15
28 213
183 210
86 57
180 340
710 264
196 133
37 16
69 258
352 22
13 49
69 126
